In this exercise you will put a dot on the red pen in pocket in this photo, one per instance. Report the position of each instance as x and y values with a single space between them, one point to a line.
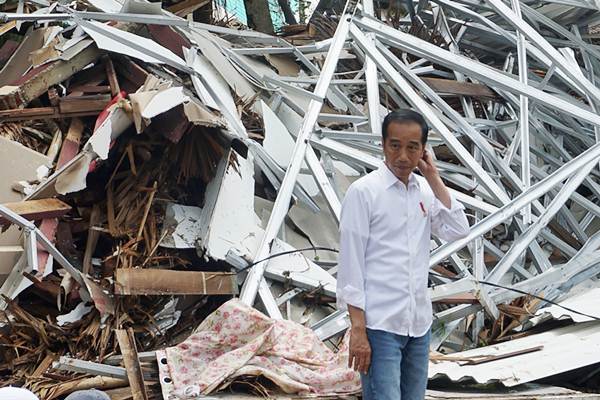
423 208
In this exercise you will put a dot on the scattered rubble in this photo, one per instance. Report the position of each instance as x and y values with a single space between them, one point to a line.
153 167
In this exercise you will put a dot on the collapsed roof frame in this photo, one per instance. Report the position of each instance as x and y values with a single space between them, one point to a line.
371 40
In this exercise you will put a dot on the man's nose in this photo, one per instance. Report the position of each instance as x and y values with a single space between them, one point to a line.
402 155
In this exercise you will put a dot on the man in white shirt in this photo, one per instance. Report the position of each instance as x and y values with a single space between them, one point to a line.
387 220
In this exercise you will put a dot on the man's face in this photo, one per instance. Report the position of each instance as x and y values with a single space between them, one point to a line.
403 149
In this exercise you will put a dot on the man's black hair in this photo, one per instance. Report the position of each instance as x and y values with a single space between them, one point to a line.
403 116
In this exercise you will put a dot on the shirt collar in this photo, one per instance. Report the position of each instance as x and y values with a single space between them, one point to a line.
390 179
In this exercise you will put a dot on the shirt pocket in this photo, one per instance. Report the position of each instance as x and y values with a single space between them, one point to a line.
390 215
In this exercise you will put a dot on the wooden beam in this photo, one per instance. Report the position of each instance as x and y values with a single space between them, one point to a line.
7 27
133 76
90 89
460 88
67 107
113 81
92 239
465 298
186 7
129 281
81 104
19 96
34 210
132 363
7 50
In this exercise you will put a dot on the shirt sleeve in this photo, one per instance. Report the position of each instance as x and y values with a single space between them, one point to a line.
449 224
354 233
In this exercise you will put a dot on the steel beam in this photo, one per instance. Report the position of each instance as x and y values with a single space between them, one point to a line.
508 211
472 68
251 285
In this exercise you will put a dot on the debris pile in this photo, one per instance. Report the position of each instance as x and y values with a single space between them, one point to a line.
152 167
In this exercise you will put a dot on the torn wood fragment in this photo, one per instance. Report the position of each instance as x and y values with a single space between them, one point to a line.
34 210
92 239
132 363
113 81
19 96
460 88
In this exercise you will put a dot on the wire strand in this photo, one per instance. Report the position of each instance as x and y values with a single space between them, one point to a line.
323 248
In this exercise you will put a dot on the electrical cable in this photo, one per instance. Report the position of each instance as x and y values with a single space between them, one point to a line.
323 248
524 293
285 253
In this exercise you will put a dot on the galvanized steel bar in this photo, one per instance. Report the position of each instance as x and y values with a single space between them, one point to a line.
251 285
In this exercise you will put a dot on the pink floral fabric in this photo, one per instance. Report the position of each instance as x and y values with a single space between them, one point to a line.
239 340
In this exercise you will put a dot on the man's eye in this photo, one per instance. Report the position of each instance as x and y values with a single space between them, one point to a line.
412 148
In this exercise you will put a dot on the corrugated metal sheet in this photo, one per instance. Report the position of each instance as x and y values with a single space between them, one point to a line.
564 349
585 302
523 392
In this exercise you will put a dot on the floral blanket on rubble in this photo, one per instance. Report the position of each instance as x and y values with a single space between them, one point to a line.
237 340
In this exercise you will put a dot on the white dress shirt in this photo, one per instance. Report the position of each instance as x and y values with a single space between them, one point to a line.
385 236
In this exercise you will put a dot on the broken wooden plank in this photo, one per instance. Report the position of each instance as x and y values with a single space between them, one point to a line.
90 88
96 382
44 365
162 282
34 210
81 104
460 88
132 74
70 146
186 7
7 27
464 298
113 81
132 363
169 38
13 97
92 239
7 50
67 108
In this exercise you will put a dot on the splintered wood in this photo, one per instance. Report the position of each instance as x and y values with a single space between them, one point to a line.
111 230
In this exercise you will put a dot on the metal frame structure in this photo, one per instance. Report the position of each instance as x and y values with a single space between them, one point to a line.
544 127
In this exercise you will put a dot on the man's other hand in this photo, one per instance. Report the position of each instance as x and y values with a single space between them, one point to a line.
360 350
